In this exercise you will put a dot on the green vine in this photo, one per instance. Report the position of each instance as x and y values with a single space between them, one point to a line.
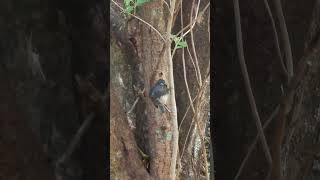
131 5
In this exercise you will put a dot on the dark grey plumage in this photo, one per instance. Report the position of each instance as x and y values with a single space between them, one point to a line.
159 94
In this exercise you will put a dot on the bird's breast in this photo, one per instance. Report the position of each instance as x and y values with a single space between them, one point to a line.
164 98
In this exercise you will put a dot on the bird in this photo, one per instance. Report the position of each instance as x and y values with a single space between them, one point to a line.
159 94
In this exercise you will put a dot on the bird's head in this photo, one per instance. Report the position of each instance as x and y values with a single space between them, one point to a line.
161 82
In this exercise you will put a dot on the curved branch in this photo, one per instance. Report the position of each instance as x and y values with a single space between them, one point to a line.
285 38
276 37
245 75
255 141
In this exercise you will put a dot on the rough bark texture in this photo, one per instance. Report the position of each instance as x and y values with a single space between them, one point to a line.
298 155
150 51
125 160
138 59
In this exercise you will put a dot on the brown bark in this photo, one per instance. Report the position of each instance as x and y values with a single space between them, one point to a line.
125 160
152 53
147 55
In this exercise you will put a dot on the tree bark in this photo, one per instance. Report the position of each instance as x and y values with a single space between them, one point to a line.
147 54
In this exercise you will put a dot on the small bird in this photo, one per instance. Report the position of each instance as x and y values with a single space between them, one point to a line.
159 94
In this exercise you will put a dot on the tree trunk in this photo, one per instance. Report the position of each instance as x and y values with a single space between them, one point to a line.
139 57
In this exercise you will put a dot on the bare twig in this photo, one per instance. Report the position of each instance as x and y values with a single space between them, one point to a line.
135 102
148 24
245 75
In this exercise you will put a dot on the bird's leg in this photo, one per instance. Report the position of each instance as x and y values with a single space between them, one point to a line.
166 107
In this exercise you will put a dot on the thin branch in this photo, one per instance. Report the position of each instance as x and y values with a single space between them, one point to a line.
186 140
192 42
76 139
254 143
193 64
205 8
165 2
176 12
245 75
194 20
135 102
185 73
196 59
276 37
148 24
185 114
190 105
170 18
192 23
285 38
198 96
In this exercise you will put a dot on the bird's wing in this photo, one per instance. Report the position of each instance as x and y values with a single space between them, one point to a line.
151 92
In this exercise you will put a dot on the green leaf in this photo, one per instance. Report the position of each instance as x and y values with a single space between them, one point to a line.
128 6
140 2
179 43
128 9
128 2
182 44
